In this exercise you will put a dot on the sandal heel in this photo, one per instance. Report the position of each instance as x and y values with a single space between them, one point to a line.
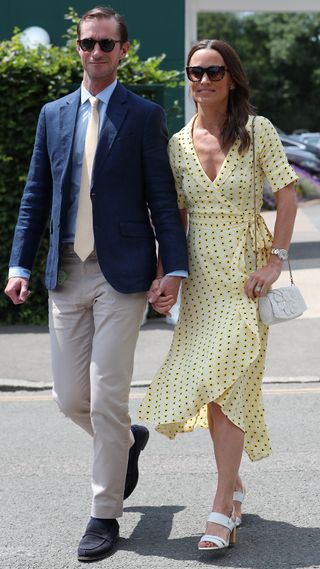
233 536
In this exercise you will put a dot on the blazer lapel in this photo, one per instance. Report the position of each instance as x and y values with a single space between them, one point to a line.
68 117
115 115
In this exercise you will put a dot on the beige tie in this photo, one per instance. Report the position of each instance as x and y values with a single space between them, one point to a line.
84 239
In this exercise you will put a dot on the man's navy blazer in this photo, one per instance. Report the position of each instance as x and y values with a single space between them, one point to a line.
131 178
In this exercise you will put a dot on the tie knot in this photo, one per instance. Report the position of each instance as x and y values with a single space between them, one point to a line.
94 102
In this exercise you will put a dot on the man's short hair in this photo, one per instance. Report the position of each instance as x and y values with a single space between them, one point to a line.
100 12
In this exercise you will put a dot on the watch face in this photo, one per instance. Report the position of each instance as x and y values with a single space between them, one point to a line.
281 253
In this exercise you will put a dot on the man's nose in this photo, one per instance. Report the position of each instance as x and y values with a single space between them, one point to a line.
97 49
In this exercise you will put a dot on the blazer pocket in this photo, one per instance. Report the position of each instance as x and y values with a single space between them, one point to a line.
132 229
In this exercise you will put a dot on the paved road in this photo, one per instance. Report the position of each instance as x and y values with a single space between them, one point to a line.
45 491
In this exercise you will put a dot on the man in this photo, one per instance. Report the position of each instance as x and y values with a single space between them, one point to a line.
99 167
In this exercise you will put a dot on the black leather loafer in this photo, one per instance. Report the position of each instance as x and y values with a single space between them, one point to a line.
141 436
99 539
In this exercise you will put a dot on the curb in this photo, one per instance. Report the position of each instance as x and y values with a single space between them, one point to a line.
25 385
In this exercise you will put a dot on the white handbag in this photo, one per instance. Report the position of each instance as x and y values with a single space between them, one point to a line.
279 304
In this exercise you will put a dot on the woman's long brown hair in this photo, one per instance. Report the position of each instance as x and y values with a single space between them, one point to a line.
239 107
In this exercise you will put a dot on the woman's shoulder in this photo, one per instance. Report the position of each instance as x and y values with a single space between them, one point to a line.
181 138
184 132
261 123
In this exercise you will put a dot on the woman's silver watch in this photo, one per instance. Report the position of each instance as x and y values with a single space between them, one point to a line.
281 253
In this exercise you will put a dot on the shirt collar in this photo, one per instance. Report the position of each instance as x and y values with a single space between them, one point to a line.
103 96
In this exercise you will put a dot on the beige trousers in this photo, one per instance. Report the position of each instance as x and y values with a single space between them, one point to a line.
93 334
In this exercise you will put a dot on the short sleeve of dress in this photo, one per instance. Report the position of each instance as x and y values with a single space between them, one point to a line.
271 155
175 162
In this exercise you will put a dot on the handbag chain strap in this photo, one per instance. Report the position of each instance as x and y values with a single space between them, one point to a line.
255 203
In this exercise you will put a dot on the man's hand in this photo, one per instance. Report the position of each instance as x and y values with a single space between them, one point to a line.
163 293
17 289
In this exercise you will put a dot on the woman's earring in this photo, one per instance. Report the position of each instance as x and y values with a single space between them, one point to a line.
232 88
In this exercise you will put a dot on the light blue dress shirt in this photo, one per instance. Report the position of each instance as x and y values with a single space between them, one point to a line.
83 115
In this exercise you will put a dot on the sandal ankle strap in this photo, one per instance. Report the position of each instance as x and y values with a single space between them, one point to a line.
221 520
238 496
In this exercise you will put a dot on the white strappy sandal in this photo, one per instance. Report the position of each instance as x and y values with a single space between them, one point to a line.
219 542
239 497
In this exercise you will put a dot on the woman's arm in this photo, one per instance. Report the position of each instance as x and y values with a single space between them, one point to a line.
286 204
286 212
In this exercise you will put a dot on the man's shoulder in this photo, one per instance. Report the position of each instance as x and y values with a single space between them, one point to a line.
138 100
66 99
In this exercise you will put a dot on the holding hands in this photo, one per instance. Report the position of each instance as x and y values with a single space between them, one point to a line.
163 293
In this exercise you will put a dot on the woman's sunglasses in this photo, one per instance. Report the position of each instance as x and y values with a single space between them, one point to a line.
88 44
214 73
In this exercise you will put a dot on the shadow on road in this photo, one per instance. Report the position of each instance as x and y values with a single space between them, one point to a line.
261 543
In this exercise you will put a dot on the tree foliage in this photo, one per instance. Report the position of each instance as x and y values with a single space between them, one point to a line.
281 55
30 78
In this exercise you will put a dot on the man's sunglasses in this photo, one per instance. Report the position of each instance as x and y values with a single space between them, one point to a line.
214 73
88 44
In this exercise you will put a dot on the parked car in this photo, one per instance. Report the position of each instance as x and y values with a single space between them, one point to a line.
307 141
298 153
310 138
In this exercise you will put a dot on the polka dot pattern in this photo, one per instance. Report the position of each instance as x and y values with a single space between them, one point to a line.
219 344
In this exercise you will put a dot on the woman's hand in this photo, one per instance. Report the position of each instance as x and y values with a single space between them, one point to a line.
261 280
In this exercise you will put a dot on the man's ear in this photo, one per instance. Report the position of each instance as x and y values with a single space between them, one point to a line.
124 49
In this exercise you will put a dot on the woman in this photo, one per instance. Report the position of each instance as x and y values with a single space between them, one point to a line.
213 373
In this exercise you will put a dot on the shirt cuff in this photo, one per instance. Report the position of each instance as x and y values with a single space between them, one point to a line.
19 272
182 274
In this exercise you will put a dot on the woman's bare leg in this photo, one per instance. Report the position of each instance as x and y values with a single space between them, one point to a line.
228 442
239 487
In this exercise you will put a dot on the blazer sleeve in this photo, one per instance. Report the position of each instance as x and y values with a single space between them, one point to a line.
161 193
35 203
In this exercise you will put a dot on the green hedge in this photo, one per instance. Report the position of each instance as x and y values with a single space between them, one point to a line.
28 79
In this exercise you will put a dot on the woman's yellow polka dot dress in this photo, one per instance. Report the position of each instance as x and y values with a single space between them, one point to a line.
219 344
